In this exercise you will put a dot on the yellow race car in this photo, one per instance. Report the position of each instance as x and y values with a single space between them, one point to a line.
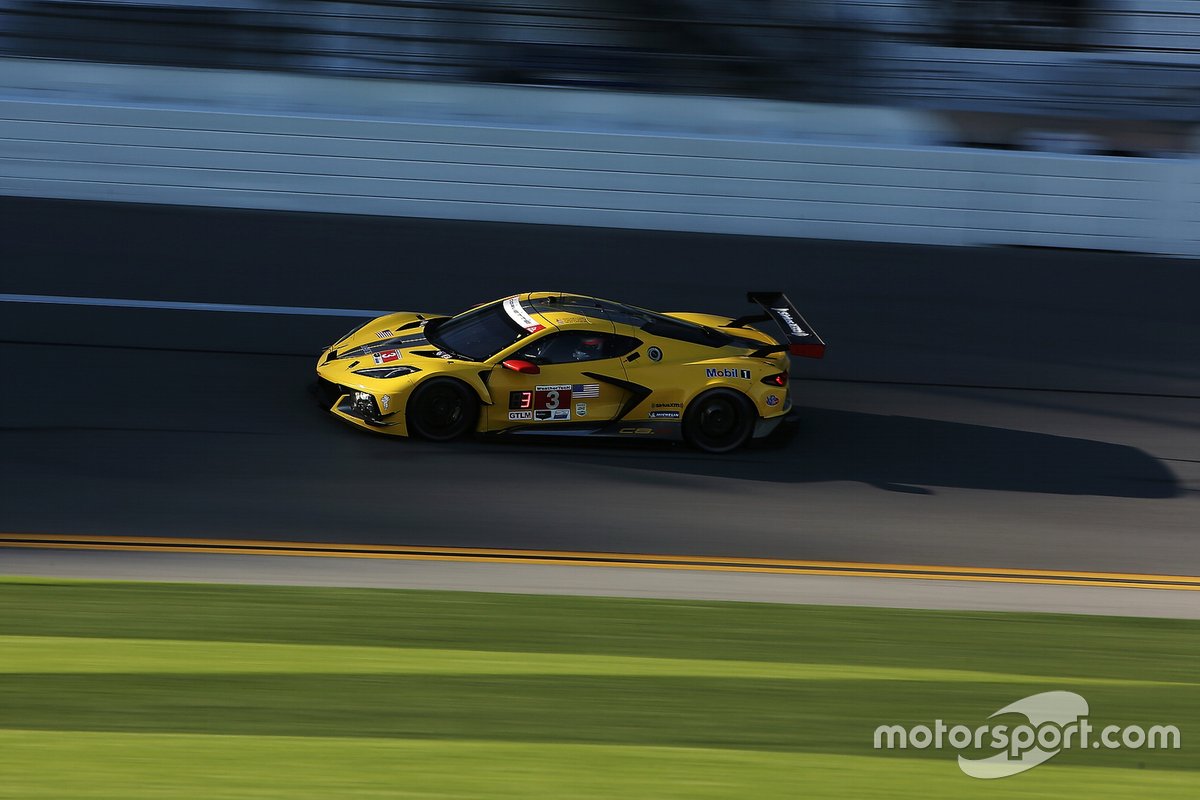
555 363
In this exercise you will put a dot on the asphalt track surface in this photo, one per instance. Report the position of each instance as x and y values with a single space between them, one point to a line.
602 581
999 408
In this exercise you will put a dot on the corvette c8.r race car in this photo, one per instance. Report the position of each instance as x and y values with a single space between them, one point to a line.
560 364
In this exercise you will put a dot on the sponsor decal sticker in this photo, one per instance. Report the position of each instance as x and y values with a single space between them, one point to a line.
664 415
772 400
726 372
386 356
384 334
585 389
552 414
387 402
668 405
550 397
637 431
581 409
517 415
654 353
512 306
790 321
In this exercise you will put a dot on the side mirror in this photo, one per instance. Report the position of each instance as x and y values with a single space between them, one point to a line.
522 366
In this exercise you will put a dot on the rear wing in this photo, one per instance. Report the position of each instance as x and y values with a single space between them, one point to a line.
800 338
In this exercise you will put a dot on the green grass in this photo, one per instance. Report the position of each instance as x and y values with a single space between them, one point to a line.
121 690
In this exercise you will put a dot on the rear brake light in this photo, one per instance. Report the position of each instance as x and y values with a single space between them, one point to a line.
778 379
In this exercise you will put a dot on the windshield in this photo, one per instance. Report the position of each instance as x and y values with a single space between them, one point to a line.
478 334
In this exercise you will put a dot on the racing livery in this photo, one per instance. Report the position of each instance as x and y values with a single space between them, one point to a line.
562 364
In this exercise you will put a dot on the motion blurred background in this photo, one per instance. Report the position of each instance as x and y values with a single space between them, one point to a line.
1107 76
985 206
923 121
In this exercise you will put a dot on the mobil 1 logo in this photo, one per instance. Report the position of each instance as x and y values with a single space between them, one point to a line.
727 372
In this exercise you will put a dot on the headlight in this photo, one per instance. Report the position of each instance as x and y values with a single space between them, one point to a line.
364 405
386 372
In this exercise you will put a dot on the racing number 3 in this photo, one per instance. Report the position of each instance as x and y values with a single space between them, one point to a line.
540 399
552 397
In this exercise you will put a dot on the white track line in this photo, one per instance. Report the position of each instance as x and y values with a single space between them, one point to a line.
173 305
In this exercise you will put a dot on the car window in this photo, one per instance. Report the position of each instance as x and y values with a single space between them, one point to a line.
649 321
566 347
478 334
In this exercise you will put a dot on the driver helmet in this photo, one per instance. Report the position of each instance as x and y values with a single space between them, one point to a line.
588 348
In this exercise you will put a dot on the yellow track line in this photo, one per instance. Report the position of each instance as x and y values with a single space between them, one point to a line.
644 561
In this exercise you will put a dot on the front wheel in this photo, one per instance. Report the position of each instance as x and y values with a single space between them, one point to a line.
718 421
442 409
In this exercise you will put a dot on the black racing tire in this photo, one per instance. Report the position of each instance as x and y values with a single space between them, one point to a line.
442 409
718 421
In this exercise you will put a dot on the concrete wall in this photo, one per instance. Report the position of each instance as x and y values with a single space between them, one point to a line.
489 171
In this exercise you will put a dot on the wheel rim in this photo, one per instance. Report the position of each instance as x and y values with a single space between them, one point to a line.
718 419
442 410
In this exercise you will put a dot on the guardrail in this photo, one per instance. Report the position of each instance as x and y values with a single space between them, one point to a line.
491 172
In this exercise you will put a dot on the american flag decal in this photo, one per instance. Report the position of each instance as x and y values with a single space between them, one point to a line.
579 390
383 334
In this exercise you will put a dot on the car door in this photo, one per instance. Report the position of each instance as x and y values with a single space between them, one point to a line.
658 368
569 390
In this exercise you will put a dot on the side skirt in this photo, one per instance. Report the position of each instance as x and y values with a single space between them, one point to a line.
618 429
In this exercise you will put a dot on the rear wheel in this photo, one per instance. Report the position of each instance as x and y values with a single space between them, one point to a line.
442 409
718 421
